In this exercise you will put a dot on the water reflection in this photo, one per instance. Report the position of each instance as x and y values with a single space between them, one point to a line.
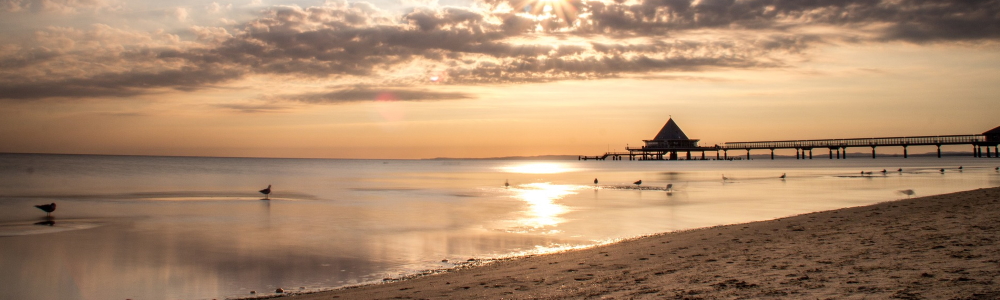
537 168
543 211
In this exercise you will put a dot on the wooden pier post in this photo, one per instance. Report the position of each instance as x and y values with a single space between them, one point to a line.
772 153
796 153
873 152
939 150
831 153
702 155
810 153
725 154
904 151
748 154
838 152
845 152
716 154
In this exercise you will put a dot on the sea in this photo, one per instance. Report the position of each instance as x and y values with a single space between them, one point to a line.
147 227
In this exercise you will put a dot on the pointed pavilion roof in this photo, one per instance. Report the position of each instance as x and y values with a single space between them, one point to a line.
670 131
993 131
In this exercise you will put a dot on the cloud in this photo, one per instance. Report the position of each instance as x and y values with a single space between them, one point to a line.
497 42
363 93
251 108
51 6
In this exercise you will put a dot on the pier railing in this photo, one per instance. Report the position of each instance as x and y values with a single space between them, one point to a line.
858 142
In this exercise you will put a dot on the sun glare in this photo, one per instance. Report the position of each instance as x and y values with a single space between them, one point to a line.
542 209
537 168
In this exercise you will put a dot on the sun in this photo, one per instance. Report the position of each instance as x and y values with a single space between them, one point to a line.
564 10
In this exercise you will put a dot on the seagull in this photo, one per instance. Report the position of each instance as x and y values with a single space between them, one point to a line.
782 176
724 178
996 169
942 170
900 170
266 192
907 192
638 182
862 173
670 187
506 183
48 208
959 167
595 180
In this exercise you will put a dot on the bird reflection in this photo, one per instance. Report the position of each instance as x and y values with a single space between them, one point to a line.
46 223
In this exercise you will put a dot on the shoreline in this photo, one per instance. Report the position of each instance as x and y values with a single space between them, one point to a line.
943 246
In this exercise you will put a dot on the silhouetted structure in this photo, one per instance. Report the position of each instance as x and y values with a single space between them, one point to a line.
671 140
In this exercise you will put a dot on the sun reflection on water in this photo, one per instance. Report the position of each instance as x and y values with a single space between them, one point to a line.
537 168
542 210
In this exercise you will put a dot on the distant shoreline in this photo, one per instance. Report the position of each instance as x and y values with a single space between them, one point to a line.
935 247
853 155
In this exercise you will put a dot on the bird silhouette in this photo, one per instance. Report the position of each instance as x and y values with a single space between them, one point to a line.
900 170
266 192
907 192
595 180
782 176
48 208
883 171
638 182
506 183
996 169
670 187
724 178
942 170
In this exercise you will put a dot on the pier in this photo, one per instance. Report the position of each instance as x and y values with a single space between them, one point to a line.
670 142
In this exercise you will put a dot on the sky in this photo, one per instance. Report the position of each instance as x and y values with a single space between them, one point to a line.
485 78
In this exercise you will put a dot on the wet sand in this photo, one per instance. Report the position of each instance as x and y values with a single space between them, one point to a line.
938 247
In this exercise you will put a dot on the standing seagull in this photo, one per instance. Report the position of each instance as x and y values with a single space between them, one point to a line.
506 183
595 181
48 208
670 187
782 176
638 183
724 178
266 192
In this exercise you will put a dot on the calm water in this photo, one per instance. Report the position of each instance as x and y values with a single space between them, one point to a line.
194 228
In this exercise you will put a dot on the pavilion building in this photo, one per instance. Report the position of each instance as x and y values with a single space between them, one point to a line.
670 141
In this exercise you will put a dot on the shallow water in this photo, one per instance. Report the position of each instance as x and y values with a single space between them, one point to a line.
194 228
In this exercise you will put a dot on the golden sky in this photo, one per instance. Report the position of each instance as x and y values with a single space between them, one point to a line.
423 79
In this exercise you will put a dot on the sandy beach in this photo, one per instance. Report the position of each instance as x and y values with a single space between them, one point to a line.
937 247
